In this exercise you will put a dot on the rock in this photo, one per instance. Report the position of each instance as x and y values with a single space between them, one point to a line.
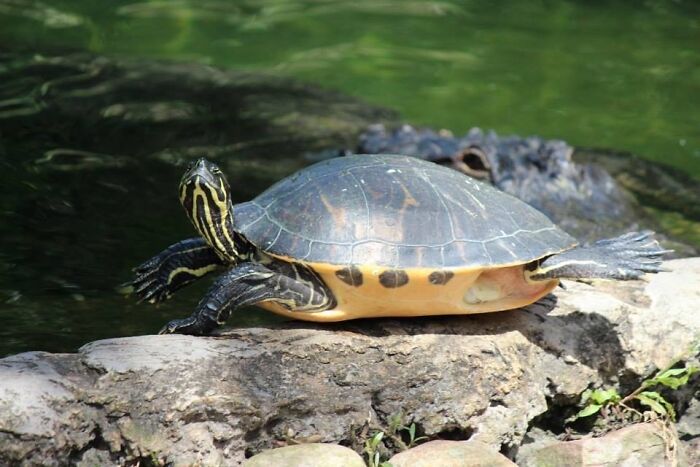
640 445
689 424
443 453
657 185
689 430
185 400
307 455
692 451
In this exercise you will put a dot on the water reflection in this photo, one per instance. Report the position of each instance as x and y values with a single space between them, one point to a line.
621 75
40 12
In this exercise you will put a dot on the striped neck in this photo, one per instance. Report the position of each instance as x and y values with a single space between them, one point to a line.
204 193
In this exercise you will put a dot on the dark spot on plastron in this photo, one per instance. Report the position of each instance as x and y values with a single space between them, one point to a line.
351 276
440 277
392 278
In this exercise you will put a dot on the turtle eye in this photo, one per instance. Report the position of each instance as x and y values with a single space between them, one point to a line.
216 171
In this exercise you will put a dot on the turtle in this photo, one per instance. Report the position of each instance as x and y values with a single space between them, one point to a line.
380 236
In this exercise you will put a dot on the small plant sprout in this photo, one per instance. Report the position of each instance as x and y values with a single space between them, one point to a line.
380 440
395 422
372 450
412 435
598 399
397 425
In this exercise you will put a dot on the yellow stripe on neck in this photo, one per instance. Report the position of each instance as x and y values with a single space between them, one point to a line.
206 223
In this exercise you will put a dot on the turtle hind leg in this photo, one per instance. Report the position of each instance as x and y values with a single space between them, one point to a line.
626 257
173 268
294 287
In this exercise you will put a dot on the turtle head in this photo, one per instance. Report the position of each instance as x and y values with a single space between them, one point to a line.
204 176
205 195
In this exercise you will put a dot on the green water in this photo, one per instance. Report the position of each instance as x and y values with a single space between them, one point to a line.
623 75
619 74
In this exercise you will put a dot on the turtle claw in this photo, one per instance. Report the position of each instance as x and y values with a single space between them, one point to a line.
154 295
141 283
626 257
151 281
151 292
184 326
158 278
634 254
170 328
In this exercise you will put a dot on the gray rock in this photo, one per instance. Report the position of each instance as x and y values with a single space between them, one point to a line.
443 453
689 430
640 445
692 451
689 424
185 400
307 455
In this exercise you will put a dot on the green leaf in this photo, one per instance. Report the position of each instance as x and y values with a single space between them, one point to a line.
412 431
646 398
672 372
661 400
653 395
588 411
672 378
649 382
672 382
675 381
376 439
603 396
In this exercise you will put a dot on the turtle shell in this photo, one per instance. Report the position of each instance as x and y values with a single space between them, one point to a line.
395 211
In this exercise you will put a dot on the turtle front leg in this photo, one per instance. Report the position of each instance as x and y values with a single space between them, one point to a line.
295 287
178 265
626 257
